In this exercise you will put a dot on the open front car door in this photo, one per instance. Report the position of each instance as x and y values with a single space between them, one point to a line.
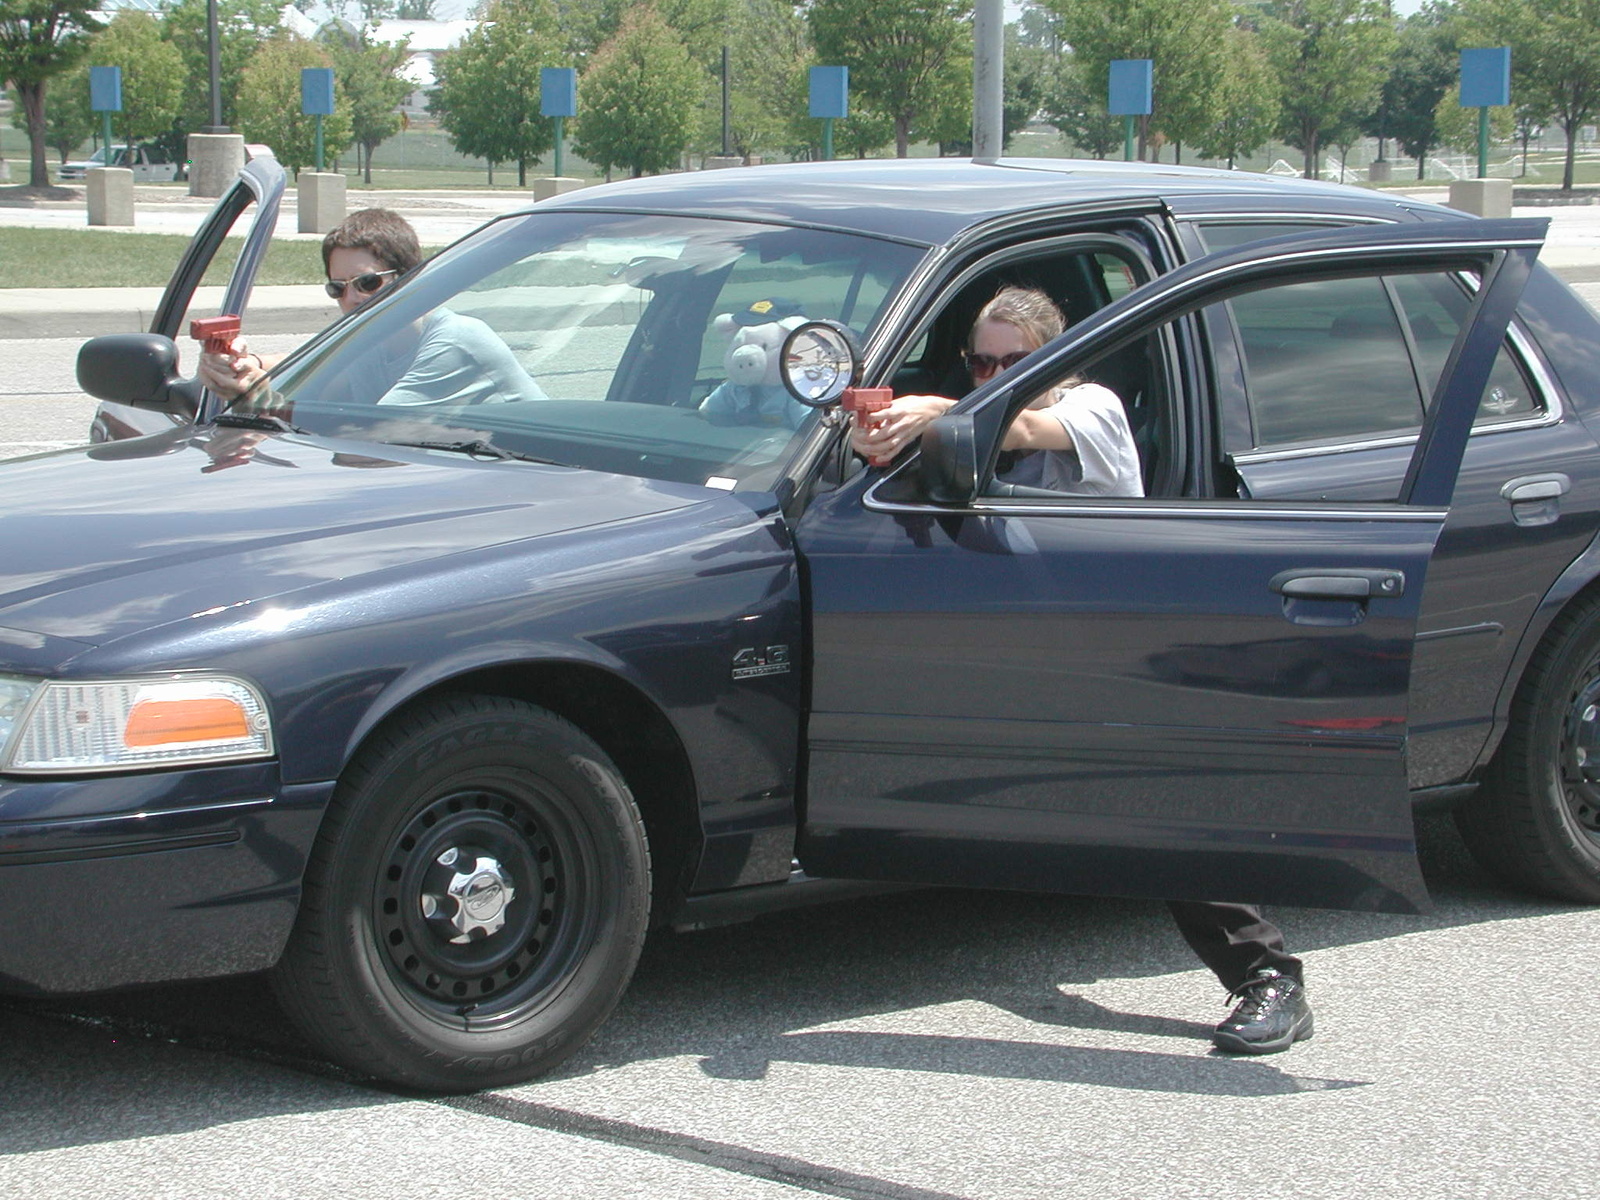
1200 696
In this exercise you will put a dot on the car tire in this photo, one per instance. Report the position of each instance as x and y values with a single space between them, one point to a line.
475 902
1535 822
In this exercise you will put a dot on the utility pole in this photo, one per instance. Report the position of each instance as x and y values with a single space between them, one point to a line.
214 68
988 79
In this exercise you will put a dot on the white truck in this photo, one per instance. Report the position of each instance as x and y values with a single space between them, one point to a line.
149 164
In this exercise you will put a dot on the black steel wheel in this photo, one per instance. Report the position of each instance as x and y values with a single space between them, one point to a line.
1535 822
475 903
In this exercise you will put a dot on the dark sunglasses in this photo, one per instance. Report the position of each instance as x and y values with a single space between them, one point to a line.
366 283
988 364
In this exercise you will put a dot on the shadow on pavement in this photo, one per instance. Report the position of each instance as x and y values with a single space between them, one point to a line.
737 998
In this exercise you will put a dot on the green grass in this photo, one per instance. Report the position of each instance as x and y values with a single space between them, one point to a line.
53 258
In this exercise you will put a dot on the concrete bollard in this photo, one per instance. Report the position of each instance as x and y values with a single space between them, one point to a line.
1381 171
321 200
555 185
1482 197
110 195
214 162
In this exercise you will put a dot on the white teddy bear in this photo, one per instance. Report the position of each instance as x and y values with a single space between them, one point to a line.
753 393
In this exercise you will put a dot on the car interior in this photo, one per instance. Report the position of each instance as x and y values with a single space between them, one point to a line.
1080 282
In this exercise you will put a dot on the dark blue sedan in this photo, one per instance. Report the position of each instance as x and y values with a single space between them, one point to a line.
435 701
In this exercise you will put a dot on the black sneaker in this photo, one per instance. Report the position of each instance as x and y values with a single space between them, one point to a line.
1271 1015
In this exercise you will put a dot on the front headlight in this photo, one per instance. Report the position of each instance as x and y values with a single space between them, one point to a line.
108 725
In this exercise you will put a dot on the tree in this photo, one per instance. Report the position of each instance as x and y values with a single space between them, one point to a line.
414 10
488 94
768 52
1555 58
152 83
640 97
242 27
40 39
269 103
1458 127
1330 57
902 54
1247 102
68 122
1424 65
702 25
1076 105
862 133
369 72
1183 39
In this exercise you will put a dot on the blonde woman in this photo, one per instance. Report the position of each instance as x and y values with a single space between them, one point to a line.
1079 430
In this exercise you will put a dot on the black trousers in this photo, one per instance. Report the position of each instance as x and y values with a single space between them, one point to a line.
1234 940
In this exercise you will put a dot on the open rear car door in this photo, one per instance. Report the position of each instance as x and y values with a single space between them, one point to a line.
1191 697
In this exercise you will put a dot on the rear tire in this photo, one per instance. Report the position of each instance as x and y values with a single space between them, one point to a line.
1535 822
475 903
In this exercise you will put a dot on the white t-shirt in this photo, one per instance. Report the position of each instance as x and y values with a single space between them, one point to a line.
1103 460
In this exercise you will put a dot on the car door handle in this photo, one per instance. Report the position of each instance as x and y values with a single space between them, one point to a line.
1536 499
1536 487
1338 583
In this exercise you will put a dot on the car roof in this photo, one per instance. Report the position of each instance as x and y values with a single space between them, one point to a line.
930 201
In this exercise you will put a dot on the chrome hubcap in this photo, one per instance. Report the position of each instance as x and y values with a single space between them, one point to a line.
466 894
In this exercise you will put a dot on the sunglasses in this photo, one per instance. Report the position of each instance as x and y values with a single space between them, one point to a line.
366 283
988 364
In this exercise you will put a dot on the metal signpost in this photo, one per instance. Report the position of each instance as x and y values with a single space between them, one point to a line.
1485 84
558 98
105 98
316 99
1129 96
830 101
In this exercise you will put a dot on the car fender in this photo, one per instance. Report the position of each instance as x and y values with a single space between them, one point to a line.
449 674
1580 575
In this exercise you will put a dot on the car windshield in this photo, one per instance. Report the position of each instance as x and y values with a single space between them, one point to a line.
595 340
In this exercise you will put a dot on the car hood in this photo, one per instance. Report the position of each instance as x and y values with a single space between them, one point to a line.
108 540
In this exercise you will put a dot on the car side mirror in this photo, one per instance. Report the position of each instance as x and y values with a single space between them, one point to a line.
138 369
949 459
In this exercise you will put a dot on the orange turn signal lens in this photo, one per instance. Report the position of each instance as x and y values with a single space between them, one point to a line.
174 722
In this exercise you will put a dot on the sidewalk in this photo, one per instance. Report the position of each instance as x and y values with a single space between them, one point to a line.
1572 251
439 217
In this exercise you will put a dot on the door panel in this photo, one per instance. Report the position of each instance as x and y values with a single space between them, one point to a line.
998 695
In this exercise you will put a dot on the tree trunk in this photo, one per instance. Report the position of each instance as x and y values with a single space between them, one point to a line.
32 97
367 174
902 137
522 172
1422 166
1572 153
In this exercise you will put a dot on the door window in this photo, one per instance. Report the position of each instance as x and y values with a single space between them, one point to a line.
1358 359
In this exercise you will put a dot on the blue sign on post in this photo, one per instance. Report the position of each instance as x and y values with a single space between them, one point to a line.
316 99
105 89
316 91
558 92
1486 77
1130 88
830 92
1485 84
830 101
105 98
558 99
1129 96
